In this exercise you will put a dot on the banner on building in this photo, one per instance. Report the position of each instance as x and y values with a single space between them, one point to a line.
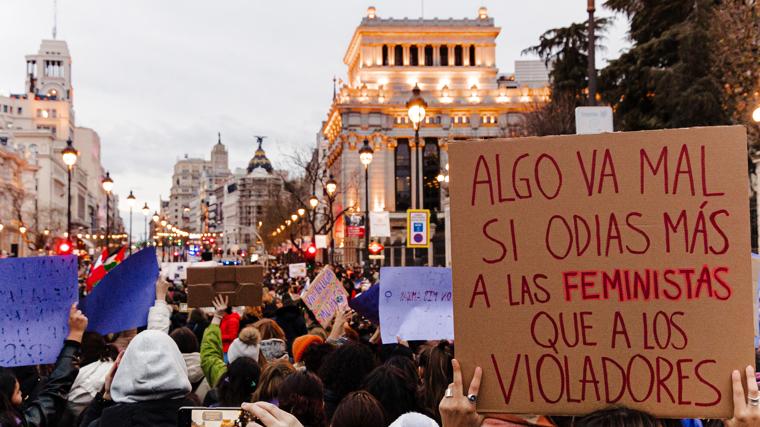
320 241
380 224
354 224
611 269
417 228
36 294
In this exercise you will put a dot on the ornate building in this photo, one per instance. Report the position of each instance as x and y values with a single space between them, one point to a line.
247 195
453 63
36 125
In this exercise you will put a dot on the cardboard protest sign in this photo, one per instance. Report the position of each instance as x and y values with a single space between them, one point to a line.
366 304
241 284
297 270
415 304
122 299
324 296
36 295
611 269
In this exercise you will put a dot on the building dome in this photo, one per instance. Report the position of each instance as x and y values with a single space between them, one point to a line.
260 159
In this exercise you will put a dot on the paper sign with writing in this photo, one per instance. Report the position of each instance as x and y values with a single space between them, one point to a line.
324 296
36 295
598 270
123 298
297 270
415 304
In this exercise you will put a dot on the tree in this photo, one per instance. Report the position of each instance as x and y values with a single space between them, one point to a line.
666 78
565 49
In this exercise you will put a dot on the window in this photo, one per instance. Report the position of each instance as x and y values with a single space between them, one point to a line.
444 54
414 56
428 55
398 55
385 54
431 167
403 176
458 55
472 55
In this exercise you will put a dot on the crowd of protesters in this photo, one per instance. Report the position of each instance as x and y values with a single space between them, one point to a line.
277 363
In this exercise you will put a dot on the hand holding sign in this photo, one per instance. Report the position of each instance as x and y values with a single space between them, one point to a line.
746 409
77 324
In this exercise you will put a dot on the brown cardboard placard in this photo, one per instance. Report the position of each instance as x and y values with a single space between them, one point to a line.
612 268
324 296
242 285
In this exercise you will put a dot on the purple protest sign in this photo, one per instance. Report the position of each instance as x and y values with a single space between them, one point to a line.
121 300
36 295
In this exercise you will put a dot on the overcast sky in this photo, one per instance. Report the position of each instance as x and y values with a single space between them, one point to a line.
158 79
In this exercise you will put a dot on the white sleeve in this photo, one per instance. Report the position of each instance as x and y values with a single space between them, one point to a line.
159 316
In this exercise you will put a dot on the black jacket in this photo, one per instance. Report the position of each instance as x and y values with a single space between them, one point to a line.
47 407
158 413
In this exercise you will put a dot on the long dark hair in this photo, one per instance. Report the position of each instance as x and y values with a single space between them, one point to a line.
302 394
9 415
239 382
359 409
393 389
437 374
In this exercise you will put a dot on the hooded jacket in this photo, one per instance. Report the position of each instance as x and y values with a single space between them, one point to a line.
149 386
195 375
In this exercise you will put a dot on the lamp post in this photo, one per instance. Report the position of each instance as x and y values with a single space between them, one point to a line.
331 186
415 108
591 54
146 212
107 184
365 156
131 202
69 155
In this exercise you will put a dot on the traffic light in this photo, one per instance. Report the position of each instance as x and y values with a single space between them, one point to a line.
64 247
311 252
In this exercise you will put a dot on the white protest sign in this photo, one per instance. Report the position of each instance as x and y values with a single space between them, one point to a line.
593 120
320 241
297 270
415 304
380 224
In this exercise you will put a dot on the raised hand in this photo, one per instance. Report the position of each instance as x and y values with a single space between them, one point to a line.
458 410
746 408
77 324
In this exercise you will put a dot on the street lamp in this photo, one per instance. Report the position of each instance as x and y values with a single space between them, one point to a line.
146 212
301 211
107 184
294 218
756 114
416 111
313 201
331 186
365 156
131 202
69 155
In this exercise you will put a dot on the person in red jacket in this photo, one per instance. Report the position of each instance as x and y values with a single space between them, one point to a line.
230 328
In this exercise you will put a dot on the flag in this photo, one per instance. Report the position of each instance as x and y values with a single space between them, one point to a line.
102 265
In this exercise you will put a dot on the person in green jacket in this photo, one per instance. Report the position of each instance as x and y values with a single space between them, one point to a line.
247 344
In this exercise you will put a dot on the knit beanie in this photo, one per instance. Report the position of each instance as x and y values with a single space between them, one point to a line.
302 343
247 344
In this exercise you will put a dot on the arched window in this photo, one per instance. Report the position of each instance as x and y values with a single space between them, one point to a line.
403 175
472 55
444 54
458 55
414 56
385 55
398 55
428 55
